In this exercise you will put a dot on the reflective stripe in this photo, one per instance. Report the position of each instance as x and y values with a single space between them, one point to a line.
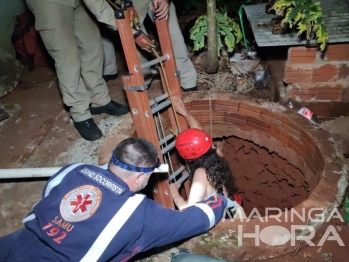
58 179
208 211
113 227
232 205
30 217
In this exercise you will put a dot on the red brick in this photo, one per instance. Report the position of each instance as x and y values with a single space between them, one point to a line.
329 93
298 147
200 113
228 103
321 110
302 91
298 71
325 73
308 143
297 75
279 134
290 130
218 118
301 59
200 107
336 47
236 119
220 108
337 57
301 55
249 110
298 51
258 124
292 124
276 118
339 52
225 108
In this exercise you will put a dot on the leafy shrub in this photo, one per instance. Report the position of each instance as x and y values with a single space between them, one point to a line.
228 33
304 15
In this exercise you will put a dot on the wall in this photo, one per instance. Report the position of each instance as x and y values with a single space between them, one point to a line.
9 9
320 83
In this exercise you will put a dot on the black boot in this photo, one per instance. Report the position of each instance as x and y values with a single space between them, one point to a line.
110 77
112 108
195 88
88 129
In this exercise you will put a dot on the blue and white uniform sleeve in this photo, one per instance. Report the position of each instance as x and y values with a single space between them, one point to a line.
163 226
57 178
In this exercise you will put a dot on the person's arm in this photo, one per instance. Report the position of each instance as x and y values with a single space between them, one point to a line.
197 190
180 109
163 226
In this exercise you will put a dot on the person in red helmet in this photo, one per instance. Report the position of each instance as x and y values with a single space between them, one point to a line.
209 172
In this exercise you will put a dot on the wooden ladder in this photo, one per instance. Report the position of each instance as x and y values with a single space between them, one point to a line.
146 113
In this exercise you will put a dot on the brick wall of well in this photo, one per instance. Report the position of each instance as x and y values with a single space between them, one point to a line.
320 83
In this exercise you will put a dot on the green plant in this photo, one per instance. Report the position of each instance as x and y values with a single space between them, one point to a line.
228 32
304 15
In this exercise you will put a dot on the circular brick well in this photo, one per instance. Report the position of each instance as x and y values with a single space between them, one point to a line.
282 166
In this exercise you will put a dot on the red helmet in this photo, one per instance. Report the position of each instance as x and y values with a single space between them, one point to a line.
193 143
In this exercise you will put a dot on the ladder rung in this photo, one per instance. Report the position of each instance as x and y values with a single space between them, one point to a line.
168 148
166 139
183 177
158 99
161 106
155 61
176 173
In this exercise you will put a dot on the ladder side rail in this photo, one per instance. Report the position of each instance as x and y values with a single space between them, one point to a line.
173 79
139 103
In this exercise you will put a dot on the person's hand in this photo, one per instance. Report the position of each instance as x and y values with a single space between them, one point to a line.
174 187
161 8
143 41
179 106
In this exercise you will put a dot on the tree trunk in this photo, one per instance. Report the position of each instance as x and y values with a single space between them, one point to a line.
210 63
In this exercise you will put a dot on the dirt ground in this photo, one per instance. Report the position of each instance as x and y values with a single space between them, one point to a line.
280 184
39 133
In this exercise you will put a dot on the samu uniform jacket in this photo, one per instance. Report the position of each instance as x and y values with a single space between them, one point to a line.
89 214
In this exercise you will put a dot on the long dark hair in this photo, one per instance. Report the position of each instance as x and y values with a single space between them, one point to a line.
217 169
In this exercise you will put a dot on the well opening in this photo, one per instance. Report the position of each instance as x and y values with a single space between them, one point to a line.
274 161
279 160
